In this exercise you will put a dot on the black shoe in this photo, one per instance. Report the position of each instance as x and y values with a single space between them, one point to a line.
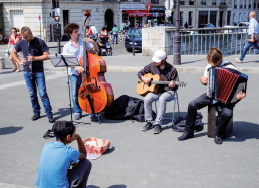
94 117
157 129
51 119
185 136
147 127
116 43
35 117
217 139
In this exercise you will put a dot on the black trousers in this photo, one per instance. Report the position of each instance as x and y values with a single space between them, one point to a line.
77 177
201 102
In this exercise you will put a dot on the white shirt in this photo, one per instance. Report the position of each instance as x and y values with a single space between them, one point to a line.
69 48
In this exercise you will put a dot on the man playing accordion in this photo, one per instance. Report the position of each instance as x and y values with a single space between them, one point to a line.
215 59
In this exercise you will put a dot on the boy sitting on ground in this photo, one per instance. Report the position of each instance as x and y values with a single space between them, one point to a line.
56 158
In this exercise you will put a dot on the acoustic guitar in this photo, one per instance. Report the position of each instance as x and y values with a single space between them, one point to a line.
156 80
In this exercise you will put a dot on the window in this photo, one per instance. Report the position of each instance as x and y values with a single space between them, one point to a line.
155 1
213 17
17 19
190 18
234 17
213 2
228 17
203 2
181 18
239 18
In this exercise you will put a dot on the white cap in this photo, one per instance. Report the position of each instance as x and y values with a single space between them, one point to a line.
159 56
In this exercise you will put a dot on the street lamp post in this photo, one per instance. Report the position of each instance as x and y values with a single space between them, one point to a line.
177 37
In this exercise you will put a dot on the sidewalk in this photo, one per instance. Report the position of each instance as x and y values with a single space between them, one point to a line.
130 63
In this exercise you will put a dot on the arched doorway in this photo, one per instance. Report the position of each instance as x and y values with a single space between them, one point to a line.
109 19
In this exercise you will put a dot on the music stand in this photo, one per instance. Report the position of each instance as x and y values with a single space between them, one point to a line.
65 60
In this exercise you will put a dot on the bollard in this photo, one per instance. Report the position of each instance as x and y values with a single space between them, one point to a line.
133 45
2 63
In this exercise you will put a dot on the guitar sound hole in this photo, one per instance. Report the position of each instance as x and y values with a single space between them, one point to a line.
149 84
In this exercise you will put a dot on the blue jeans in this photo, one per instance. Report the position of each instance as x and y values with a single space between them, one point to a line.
75 84
163 99
246 48
115 35
37 81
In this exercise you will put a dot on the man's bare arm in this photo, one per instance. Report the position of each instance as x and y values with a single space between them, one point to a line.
16 58
43 57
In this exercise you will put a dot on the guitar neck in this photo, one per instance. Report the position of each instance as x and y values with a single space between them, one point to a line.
164 82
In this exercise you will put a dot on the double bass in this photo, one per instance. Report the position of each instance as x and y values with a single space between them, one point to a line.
95 94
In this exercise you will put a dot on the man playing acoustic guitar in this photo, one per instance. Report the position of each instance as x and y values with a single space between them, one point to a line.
165 92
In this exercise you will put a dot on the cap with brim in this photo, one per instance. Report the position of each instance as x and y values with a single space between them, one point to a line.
159 56
156 59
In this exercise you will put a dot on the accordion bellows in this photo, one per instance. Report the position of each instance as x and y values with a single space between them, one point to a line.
224 84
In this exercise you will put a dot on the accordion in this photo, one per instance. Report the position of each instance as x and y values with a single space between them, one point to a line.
224 84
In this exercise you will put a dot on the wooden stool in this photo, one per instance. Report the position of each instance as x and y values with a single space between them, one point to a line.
2 63
214 113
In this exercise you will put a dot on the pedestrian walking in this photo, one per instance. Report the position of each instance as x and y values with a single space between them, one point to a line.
115 34
252 37
35 51
13 40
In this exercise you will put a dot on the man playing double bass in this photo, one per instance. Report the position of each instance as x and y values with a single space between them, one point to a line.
75 47
165 93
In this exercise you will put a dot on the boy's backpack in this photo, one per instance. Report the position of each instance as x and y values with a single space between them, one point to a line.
179 123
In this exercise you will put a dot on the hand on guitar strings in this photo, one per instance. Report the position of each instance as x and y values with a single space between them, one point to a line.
79 69
22 62
241 95
146 80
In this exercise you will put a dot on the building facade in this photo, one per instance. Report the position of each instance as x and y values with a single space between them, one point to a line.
19 13
217 12
106 13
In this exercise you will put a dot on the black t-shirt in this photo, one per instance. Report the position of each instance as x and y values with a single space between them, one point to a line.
37 48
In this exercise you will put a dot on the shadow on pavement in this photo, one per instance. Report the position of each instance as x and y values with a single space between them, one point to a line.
193 61
109 150
9 130
255 61
62 112
112 186
242 131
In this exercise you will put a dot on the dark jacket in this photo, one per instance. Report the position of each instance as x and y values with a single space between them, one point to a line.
168 73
